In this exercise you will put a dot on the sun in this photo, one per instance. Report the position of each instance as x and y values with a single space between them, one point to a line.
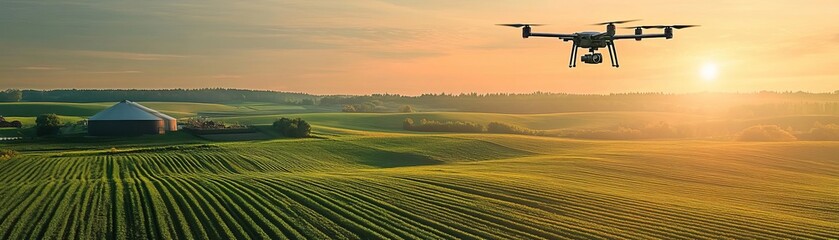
709 72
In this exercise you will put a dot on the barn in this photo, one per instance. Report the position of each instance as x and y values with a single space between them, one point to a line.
128 118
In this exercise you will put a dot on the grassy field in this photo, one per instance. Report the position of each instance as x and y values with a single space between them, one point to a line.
364 178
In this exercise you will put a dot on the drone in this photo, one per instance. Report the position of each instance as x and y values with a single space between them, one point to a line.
596 40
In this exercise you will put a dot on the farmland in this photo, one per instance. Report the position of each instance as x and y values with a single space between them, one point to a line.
365 178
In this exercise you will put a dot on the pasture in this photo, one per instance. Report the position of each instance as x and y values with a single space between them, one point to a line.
365 178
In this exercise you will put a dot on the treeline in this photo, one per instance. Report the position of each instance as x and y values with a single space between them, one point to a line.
736 104
774 133
664 130
785 108
425 125
658 130
365 107
11 95
374 107
498 127
765 133
205 95
821 132
742 105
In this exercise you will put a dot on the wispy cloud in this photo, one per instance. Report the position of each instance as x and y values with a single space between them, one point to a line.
404 54
41 68
225 77
128 55
115 72
360 46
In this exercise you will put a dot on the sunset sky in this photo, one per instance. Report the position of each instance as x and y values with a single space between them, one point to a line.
413 46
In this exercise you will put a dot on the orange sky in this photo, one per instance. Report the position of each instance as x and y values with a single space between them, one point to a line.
412 46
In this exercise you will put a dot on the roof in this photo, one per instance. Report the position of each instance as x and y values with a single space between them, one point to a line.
153 112
126 110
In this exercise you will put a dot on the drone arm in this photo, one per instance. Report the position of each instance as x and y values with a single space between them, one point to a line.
551 35
616 37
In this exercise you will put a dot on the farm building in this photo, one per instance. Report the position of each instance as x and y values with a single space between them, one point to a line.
128 118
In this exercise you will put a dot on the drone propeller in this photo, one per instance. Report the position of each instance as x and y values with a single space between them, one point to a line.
683 26
663 26
617 22
518 25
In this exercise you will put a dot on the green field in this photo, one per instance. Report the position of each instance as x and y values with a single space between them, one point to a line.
366 178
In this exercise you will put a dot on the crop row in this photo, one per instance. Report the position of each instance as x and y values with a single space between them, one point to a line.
353 207
334 190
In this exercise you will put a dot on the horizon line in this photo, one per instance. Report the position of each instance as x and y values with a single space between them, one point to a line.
432 93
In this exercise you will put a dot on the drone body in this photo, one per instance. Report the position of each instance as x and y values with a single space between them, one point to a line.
596 40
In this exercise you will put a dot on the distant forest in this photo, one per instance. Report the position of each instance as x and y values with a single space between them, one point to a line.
732 104
737 104
207 95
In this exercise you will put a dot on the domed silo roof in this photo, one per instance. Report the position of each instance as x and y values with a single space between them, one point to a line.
171 124
124 110
152 111
125 119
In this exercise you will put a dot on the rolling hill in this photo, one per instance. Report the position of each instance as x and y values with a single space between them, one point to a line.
425 186
363 177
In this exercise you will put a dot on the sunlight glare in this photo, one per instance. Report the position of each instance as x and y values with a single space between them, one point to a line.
709 72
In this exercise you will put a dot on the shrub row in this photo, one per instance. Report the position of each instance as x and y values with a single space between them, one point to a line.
774 133
425 125
765 133
824 132
373 107
6 154
649 131
757 133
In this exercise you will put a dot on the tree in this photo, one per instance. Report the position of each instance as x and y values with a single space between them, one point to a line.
408 124
349 108
407 109
6 124
303 129
47 124
297 127
11 95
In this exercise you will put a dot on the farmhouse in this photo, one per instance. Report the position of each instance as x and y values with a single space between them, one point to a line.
128 118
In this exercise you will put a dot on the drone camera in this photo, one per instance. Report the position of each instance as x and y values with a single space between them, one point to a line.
592 58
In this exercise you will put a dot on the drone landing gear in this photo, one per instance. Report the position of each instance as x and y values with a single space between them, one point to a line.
573 62
613 54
